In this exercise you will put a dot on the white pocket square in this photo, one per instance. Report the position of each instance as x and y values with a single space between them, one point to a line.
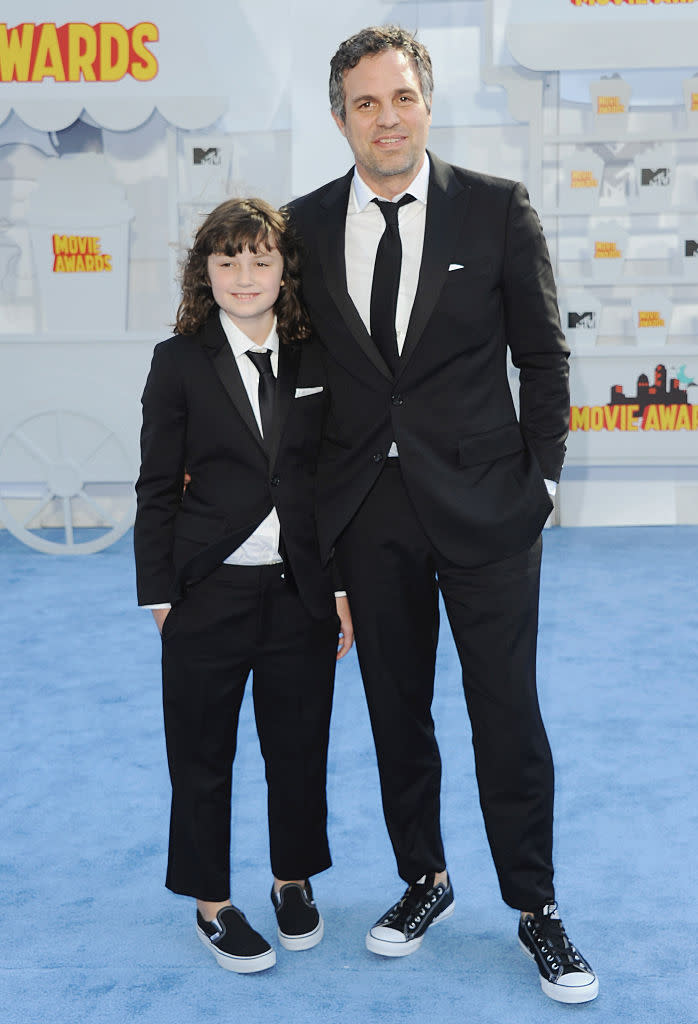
304 392
456 266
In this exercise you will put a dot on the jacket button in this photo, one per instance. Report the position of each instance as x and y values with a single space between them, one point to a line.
397 399
275 481
378 457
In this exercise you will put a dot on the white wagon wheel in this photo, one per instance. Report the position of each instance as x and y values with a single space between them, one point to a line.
75 468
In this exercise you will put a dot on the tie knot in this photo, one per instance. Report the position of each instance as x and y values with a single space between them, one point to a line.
390 210
261 360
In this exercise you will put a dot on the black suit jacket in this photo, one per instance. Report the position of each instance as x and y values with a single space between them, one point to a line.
196 414
474 472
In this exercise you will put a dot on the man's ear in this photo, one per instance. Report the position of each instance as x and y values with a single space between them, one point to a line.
340 124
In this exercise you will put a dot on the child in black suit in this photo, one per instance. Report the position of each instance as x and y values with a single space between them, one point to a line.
229 564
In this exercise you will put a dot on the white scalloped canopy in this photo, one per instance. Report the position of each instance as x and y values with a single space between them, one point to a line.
119 115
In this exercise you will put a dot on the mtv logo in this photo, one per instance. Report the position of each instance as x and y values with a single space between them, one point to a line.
691 248
210 157
586 321
659 178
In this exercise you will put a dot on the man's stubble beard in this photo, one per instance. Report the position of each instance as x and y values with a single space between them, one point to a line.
409 164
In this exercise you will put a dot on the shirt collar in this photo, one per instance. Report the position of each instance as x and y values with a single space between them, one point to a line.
362 195
240 343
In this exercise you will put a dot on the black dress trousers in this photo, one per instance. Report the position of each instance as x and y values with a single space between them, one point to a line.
239 620
393 576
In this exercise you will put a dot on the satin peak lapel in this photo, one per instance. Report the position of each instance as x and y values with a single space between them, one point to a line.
447 202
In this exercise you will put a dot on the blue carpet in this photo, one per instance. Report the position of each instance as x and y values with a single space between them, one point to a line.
91 935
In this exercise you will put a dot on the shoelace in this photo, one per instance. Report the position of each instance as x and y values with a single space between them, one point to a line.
413 903
554 943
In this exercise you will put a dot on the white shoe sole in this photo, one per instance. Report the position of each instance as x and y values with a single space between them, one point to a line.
307 941
238 964
384 948
565 993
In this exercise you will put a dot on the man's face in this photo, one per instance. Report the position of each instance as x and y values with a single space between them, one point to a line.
386 121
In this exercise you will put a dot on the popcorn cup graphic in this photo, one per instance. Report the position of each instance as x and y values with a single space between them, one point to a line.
78 222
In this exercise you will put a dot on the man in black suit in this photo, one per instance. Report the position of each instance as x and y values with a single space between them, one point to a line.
419 276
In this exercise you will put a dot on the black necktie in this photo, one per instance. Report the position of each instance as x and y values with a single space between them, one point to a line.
266 390
386 282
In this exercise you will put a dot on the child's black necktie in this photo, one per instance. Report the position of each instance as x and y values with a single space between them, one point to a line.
266 390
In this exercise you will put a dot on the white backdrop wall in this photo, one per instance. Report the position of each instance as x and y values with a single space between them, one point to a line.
236 103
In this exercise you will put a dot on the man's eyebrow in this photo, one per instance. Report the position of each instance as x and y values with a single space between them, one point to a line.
408 90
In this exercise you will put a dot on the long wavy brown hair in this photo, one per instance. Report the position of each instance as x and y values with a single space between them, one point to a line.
235 225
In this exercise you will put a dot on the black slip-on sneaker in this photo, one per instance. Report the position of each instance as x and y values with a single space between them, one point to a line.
234 942
300 925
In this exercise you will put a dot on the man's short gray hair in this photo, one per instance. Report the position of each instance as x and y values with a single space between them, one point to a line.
371 41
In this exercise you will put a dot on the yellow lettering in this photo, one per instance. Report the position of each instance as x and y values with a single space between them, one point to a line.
48 62
60 243
649 318
650 421
633 410
596 417
113 51
82 52
606 250
144 65
611 415
579 417
16 52
84 255
610 105
583 179
667 417
683 420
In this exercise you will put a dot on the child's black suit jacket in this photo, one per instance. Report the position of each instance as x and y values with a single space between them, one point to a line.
196 415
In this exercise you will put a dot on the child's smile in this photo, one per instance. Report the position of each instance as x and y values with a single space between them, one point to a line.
246 286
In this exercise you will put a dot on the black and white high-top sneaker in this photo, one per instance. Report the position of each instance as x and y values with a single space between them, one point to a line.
400 931
564 973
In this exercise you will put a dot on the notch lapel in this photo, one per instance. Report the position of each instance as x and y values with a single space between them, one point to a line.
447 201
331 237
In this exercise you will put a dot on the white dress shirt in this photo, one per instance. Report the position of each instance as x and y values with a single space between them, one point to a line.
365 225
262 546
364 228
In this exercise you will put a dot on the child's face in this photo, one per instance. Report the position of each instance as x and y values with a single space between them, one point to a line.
246 286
